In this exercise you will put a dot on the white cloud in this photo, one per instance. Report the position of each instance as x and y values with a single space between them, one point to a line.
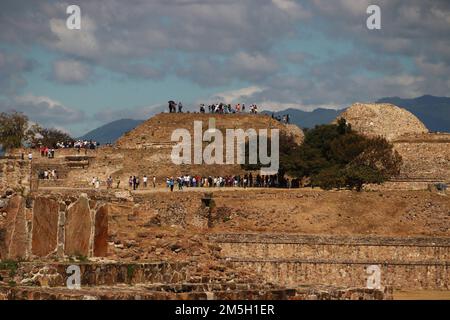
253 63
235 96
292 8
82 43
70 71
43 110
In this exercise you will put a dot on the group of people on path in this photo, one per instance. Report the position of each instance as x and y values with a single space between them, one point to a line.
220 108
283 119
47 152
78 144
243 181
48 174
134 182
173 106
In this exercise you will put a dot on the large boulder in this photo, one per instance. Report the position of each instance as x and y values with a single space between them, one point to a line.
382 119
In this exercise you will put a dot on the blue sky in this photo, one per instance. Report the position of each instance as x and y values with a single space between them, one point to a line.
131 57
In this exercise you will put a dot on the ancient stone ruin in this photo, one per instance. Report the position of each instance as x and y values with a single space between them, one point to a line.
224 243
383 119
425 155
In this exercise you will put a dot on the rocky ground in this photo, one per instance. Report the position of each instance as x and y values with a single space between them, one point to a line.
157 225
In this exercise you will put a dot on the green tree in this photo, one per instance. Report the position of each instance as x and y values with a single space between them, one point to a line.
334 156
13 130
346 158
49 137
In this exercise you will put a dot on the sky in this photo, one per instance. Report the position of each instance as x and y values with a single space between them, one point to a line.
130 57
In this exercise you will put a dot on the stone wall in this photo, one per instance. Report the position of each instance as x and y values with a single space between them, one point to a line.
103 274
425 157
407 263
177 293
159 280
56 226
14 174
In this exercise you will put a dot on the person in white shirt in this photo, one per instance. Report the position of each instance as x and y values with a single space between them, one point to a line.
144 180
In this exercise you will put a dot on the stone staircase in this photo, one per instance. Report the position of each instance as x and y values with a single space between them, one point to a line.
78 161
159 281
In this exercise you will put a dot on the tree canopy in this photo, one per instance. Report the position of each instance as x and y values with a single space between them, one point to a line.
13 129
335 156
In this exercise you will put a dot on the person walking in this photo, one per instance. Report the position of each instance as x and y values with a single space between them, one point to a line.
109 182
171 183
144 180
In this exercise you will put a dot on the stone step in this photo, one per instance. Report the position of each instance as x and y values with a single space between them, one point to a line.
98 274
138 293
305 292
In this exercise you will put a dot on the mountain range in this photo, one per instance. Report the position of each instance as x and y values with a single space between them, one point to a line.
434 112
112 131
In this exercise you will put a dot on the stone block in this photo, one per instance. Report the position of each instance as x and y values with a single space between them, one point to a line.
78 228
45 226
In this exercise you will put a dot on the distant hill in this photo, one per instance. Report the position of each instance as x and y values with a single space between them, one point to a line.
305 119
434 112
110 132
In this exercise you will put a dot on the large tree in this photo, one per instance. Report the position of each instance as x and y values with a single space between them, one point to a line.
13 130
335 156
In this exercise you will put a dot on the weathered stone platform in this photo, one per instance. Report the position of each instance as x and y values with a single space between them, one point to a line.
407 263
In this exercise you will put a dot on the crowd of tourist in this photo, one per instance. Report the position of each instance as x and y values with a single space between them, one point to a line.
78 144
283 119
134 182
243 181
224 108
220 108
47 152
48 174
196 181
